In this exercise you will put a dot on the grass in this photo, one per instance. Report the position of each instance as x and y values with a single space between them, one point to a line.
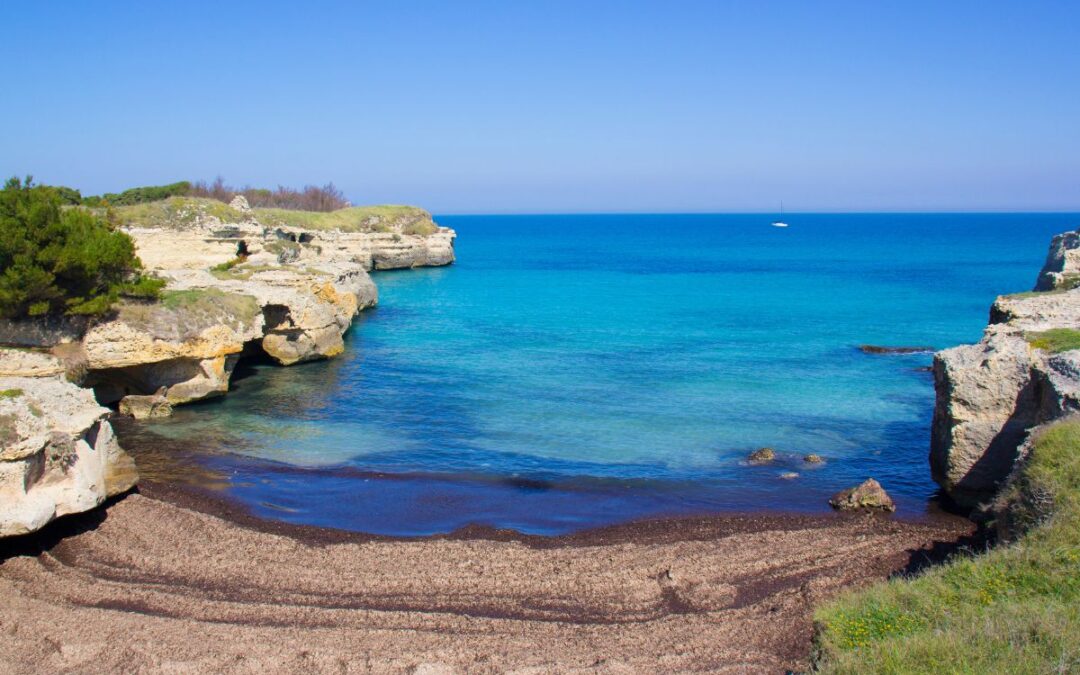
396 219
11 393
1055 340
175 213
8 433
179 213
1012 609
1068 283
185 314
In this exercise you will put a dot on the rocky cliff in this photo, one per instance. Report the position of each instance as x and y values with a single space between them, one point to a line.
58 454
236 286
1024 372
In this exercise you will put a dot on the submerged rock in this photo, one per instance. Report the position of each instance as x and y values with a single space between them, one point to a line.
762 456
58 454
880 349
813 459
868 496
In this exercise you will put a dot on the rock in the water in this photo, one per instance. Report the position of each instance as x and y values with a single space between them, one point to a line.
868 495
762 456
146 407
813 459
880 349
58 454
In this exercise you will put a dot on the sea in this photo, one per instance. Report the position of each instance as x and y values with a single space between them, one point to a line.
576 371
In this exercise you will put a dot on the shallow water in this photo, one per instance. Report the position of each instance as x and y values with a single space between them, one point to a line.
575 371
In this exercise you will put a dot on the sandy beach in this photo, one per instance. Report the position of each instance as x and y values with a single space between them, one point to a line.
170 580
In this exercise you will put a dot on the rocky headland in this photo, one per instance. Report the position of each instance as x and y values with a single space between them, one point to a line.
239 283
1023 373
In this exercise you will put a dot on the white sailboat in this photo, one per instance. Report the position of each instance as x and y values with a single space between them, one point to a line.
780 221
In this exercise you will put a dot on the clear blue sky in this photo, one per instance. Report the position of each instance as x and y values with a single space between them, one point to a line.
508 106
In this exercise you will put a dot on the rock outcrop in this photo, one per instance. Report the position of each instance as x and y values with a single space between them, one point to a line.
234 283
58 453
991 395
1062 266
234 286
149 407
866 496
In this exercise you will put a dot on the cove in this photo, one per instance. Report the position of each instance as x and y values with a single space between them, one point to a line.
582 370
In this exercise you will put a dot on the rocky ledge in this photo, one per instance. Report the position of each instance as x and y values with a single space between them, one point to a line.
58 454
236 287
1023 373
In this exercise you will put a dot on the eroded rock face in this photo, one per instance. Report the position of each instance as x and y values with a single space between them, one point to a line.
1062 262
990 395
188 344
59 454
231 285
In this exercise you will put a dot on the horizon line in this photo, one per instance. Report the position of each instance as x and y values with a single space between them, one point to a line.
787 214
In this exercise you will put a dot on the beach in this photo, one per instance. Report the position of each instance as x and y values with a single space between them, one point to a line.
174 580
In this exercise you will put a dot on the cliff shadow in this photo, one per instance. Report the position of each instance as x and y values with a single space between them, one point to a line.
49 537
940 552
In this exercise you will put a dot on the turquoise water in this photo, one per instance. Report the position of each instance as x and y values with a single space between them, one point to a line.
574 371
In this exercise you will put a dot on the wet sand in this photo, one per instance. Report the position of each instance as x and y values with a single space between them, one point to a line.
173 580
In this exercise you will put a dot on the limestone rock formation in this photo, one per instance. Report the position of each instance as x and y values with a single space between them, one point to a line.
58 454
1062 266
187 344
991 394
29 363
154 406
867 496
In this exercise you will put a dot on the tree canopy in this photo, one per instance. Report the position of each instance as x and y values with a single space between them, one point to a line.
57 260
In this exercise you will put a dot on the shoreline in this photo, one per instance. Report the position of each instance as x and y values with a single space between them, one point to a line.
647 530
166 576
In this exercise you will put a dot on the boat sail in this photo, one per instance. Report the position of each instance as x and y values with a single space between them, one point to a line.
779 222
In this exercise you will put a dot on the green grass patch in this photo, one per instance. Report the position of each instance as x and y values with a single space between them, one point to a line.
175 213
388 218
1012 609
179 213
11 393
1055 340
8 433
185 314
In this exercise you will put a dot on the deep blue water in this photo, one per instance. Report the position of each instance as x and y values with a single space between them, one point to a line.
574 371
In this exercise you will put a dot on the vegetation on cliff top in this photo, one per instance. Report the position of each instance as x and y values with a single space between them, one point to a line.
1055 340
184 204
55 260
185 314
391 218
1013 609
308 198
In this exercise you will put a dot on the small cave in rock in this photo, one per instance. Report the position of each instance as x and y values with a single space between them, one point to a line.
242 249
251 358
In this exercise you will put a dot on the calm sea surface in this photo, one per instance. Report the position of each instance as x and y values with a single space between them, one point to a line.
574 371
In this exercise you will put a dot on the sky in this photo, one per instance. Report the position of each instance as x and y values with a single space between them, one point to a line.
556 107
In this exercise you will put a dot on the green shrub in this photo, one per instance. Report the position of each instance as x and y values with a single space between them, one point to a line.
56 260
140 195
